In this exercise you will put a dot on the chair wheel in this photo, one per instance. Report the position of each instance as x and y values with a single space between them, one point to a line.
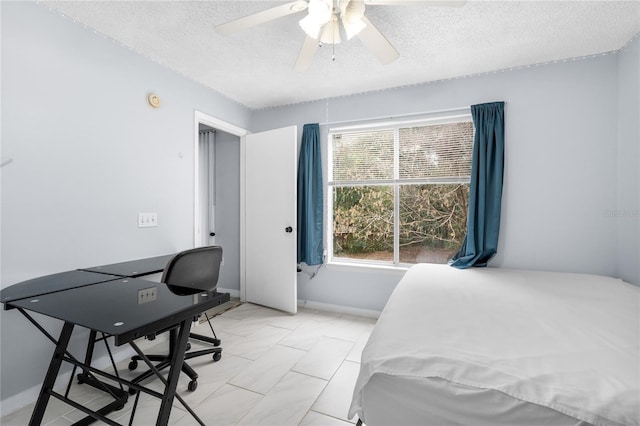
192 386
217 356
188 348
133 365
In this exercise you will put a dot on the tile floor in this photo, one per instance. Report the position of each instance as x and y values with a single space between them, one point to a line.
276 369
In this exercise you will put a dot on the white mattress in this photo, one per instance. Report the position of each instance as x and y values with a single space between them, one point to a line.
411 401
535 343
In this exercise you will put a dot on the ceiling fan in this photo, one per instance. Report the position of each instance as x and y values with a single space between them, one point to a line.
322 24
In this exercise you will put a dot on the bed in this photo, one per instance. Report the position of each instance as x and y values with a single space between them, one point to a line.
489 346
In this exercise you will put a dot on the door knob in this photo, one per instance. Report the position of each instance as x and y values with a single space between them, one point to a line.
288 229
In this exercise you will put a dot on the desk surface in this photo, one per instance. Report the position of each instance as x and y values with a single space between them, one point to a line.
114 307
134 268
52 284
82 277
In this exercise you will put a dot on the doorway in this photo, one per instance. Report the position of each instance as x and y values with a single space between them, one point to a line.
217 194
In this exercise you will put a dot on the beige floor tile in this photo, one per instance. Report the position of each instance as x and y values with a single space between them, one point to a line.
317 419
224 407
324 316
94 404
349 328
267 370
20 417
212 376
253 323
219 323
307 335
336 396
291 322
243 311
147 413
60 421
257 343
324 358
287 403
55 410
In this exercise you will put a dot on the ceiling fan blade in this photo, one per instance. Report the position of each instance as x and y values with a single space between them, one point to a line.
433 3
373 40
261 17
306 54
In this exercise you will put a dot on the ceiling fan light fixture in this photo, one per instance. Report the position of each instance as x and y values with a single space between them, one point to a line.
351 13
310 26
351 9
320 13
331 32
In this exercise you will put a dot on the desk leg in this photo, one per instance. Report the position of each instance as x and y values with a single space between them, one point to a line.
52 374
177 358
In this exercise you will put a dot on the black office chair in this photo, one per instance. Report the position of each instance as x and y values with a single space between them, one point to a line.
188 272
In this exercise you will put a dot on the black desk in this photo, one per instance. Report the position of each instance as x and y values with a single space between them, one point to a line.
109 305
51 284
134 268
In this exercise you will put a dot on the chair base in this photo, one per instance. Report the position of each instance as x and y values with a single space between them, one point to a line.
213 341
165 360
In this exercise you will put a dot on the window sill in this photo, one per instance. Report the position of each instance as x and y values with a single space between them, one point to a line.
345 264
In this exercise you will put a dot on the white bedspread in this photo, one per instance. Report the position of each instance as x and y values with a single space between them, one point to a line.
566 341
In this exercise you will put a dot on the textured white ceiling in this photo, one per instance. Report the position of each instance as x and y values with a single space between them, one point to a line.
255 67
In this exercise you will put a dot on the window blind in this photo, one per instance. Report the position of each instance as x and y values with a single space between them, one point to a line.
363 156
424 151
437 151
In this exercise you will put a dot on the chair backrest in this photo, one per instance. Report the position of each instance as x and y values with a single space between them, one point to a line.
194 270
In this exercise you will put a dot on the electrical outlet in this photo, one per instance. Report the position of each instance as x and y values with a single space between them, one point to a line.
147 295
147 220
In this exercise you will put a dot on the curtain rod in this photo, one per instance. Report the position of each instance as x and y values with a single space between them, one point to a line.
390 117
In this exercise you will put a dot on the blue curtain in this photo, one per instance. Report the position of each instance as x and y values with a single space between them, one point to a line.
485 192
310 199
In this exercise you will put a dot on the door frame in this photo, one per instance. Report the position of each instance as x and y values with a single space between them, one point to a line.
223 126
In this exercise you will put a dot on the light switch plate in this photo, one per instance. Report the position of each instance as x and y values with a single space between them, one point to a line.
146 220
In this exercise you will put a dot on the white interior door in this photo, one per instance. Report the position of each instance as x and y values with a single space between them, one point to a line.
270 218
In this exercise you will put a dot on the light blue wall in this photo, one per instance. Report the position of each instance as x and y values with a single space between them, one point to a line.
88 155
560 171
628 207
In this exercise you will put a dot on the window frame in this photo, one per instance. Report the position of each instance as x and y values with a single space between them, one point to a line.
395 183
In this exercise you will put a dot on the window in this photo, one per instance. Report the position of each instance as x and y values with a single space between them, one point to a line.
398 194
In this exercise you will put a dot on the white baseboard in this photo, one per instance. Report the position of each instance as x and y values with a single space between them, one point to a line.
367 313
232 292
